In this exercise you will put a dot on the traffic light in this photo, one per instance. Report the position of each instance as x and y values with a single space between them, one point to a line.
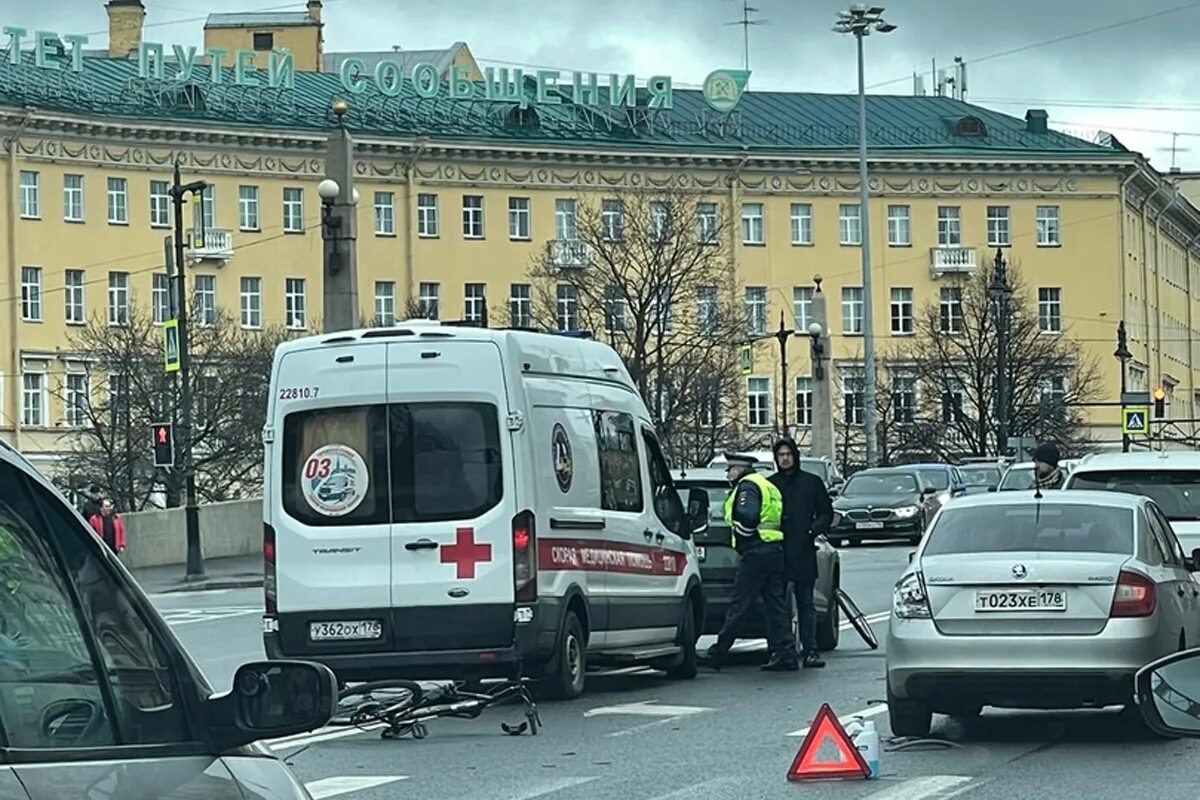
164 444
1160 403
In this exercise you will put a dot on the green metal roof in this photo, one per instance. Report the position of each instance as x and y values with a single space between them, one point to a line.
763 121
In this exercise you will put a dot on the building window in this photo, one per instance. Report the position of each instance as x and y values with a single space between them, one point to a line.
73 198
706 309
950 309
1047 226
248 208
31 195
518 218
660 221
952 404
662 311
566 217
712 413
853 398
520 305
707 226
427 215
758 402
802 300
251 302
160 204
949 226
33 399
1053 393
31 294
614 309
899 226
160 298
385 303
756 310
293 210
264 42
752 224
568 307
852 310
850 224
904 398
804 401
385 214
802 224
902 311
1050 310
429 300
204 209
295 303
612 220
472 216
73 297
78 400
118 201
118 298
475 303
205 298
998 229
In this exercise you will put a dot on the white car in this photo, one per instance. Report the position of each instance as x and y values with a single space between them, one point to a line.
1019 602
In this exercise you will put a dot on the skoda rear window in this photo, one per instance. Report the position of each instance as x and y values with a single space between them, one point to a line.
1177 492
412 462
1050 527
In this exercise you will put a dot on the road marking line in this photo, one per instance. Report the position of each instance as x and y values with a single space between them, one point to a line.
544 788
345 784
869 711
926 788
697 790
643 727
647 708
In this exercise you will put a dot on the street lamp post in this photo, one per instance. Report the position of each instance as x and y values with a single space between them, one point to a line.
859 20
339 228
783 334
1123 355
1000 292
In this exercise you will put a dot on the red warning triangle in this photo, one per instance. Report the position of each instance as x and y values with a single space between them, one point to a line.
827 752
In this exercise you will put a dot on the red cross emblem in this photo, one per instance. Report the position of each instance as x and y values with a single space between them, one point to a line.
465 553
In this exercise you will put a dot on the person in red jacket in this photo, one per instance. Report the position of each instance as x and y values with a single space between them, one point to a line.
109 527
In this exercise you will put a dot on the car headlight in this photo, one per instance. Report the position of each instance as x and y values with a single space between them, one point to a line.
909 600
907 512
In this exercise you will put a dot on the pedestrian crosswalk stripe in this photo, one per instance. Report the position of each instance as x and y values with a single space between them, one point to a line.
345 784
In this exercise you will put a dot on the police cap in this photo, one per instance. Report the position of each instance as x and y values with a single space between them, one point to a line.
740 460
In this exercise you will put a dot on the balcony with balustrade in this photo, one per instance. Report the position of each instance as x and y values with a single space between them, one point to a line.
211 244
567 254
952 261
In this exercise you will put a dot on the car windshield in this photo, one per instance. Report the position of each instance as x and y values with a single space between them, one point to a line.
1017 478
980 476
1177 492
937 478
895 483
1038 527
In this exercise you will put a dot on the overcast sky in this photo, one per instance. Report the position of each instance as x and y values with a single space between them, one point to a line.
1130 78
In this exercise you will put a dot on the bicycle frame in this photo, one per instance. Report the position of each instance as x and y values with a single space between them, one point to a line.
460 704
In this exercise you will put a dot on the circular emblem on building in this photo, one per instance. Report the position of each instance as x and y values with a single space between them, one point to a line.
723 89
334 480
564 466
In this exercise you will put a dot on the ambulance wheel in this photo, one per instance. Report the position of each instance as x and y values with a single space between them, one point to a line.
566 677
689 665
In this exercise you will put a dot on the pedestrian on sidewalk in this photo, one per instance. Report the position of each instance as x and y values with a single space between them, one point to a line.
754 511
1046 472
91 504
109 526
807 512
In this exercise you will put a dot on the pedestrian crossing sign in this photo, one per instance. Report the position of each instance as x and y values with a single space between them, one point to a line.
171 345
1135 421
747 359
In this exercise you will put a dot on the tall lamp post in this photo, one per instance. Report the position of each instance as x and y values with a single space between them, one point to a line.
1123 355
859 20
1001 292
783 334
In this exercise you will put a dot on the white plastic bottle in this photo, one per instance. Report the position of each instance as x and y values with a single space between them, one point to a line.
867 743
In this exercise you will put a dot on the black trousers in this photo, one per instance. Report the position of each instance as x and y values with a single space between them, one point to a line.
761 573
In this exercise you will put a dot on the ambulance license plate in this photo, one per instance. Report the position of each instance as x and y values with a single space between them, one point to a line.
345 631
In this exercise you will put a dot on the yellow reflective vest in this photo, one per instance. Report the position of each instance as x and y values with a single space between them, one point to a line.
770 515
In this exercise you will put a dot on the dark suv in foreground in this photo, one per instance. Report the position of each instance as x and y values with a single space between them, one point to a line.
882 504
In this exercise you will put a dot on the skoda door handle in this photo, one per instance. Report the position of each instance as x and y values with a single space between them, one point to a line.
422 544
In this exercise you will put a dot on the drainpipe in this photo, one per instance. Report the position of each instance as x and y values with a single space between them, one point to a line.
1146 271
1158 248
410 214
14 316
1187 258
1122 277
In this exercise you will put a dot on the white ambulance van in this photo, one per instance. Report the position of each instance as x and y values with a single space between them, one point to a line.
449 501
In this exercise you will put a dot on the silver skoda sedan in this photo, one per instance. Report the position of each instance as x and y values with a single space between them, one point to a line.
1019 602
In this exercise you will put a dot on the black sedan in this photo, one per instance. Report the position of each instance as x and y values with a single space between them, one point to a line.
882 504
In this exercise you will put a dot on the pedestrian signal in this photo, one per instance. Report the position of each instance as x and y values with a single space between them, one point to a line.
828 752
1160 403
164 444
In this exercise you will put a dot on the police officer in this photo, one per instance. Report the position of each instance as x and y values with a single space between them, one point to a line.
754 510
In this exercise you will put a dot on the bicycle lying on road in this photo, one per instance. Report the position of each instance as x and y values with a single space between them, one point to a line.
857 619
401 708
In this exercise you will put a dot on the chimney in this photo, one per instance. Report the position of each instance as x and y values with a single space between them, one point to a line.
1036 121
314 14
314 11
125 19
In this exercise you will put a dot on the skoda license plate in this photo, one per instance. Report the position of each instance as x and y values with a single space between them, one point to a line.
345 631
1021 600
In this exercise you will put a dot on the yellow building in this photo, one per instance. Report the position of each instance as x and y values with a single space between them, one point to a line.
463 185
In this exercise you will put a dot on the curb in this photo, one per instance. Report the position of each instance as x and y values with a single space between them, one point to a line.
214 584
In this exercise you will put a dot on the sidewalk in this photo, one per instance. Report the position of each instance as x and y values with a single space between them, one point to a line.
235 572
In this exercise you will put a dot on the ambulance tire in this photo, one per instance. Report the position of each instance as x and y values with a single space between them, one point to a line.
689 664
568 670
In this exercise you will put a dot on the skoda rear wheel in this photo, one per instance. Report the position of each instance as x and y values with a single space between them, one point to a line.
567 677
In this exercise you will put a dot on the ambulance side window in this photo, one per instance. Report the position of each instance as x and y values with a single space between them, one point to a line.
620 469
667 505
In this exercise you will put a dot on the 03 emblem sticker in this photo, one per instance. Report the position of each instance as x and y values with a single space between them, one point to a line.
564 467
335 480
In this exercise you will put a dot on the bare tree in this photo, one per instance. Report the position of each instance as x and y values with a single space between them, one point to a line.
651 273
901 432
1049 377
124 391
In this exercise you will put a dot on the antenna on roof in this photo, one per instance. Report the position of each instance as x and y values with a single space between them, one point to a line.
1174 150
745 22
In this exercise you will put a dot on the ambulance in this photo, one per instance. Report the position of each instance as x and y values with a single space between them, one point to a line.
445 501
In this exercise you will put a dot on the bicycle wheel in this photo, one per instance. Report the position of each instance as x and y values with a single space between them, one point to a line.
857 619
370 702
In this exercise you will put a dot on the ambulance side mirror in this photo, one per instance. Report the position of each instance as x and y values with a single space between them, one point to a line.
697 511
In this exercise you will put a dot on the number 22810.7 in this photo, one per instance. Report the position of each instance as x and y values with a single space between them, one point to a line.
298 392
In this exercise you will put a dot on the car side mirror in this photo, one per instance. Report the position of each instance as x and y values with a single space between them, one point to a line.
1164 690
272 699
911 555
1194 566
696 521
928 490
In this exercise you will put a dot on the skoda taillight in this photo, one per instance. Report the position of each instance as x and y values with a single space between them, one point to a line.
524 548
1135 596
269 600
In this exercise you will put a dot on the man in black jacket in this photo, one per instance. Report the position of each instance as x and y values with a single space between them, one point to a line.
807 512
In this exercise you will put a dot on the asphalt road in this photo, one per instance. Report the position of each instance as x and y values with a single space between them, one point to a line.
724 736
